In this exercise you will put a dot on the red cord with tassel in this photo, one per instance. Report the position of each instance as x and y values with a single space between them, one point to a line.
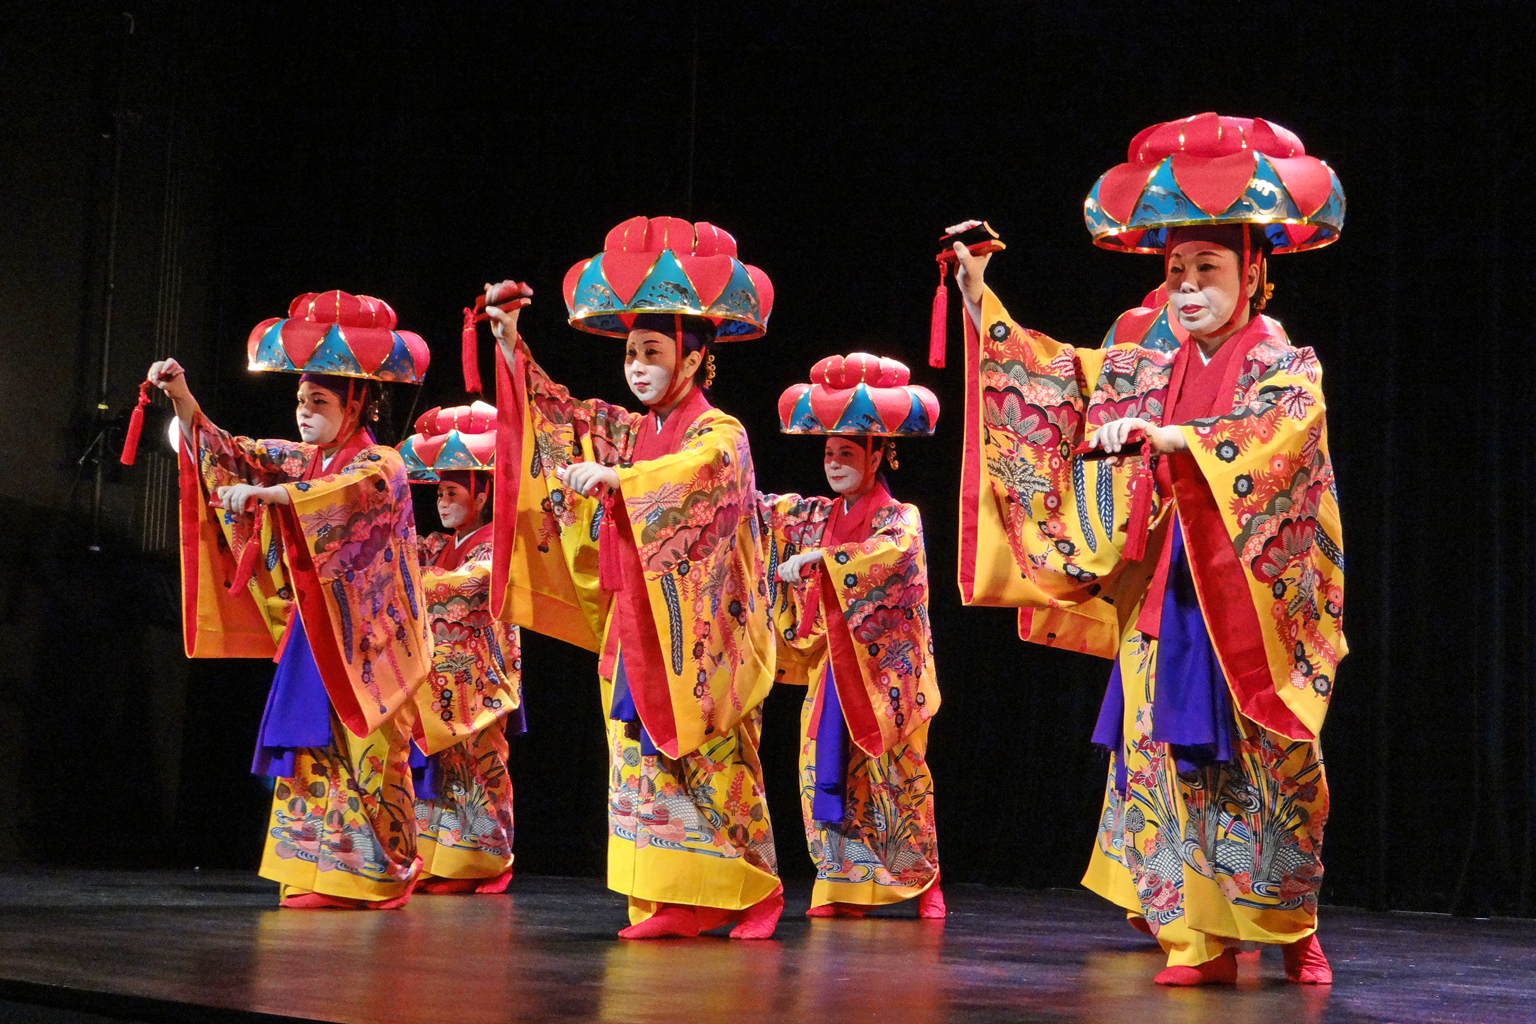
1139 520
610 571
938 326
135 426
249 554
472 316
508 295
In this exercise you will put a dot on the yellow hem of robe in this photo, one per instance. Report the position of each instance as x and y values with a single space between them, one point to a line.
1209 924
868 893
438 861
303 877
654 876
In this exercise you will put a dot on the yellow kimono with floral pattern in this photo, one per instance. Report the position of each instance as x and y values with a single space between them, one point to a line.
465 829
343 556
1229 852
878 650
688 823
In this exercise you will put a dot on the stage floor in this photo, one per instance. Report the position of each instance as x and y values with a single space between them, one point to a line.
166 946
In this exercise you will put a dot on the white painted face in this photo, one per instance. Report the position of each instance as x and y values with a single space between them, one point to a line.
650 358
1204 286
456 506
321 414
846 464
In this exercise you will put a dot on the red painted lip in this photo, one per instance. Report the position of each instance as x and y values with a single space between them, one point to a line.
1190 309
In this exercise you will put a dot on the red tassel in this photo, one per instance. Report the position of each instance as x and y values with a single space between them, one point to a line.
810 608
247 564
937 328
610 572
135 427
1142 485
472 383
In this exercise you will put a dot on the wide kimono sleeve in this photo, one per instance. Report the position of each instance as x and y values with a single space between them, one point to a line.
693 613
476 658
874 600
349 540
792 523
1043 529
544 568
219 621
1256 495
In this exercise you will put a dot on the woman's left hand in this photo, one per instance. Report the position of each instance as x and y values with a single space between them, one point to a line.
587 478
1112 436
235 497
793 568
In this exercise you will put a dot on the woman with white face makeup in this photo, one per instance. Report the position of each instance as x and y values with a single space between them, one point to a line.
634 535
474 698
306 551
851 611
1167 501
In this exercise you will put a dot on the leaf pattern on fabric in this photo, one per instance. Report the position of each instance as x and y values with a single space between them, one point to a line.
476 659
358 530
881 585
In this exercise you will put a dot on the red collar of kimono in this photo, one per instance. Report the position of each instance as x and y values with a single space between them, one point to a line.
452 555
853 525
1199 389
664 438
345 452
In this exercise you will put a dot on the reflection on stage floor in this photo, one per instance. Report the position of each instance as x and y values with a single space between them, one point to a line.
167 946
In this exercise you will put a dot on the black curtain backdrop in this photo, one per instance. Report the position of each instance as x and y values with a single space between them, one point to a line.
414 151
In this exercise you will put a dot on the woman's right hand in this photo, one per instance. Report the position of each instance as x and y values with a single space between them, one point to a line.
168 376
969 272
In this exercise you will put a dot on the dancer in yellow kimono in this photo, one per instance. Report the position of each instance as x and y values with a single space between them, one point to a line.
1204 555
852 619
459 757
305 552
637 536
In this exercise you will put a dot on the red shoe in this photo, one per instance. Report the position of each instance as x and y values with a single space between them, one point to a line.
672 921
930 905
320 901
444 886
1220 971
835 910
399 901
493 886
761 918
1305 963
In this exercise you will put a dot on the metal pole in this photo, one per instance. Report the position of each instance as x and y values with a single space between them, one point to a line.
103 407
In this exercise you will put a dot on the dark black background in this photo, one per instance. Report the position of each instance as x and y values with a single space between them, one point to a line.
413 151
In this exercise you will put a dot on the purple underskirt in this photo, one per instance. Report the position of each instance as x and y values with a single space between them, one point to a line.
831 754
423 773
1191 706
623 708
298 712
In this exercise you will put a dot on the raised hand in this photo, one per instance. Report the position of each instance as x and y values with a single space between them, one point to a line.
503 302
969 272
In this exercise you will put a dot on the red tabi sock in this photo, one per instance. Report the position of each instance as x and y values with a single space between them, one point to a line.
1220 971
761 918
835 910
320 901
1305 963
930 905
673 920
